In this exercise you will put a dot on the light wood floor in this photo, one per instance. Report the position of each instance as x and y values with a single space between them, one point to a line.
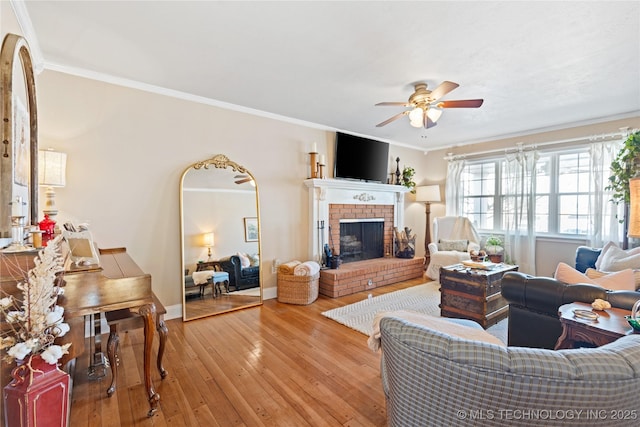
274 365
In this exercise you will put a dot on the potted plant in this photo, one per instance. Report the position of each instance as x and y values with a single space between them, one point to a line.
407 178
494 248
623 168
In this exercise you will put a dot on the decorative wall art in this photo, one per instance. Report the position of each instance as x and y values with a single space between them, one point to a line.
251 229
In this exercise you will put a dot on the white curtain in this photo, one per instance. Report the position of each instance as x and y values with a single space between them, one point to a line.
604 215
519 210
453 188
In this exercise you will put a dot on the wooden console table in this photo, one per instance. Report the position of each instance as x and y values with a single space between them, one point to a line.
473 294
118 283
609 326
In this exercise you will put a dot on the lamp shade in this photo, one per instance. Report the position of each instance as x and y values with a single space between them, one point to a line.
428 193
208 239
52 167
434 113
634 208
416 117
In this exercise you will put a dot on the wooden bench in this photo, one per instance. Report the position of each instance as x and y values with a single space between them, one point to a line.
127 319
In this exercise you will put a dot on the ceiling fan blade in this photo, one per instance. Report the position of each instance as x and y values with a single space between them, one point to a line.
396 117
397 104
444 88
464 103
242 181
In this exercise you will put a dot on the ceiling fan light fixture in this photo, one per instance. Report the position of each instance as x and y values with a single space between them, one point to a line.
434 113
416 117
416 123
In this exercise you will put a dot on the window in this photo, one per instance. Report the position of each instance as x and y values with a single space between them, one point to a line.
563 188
479 189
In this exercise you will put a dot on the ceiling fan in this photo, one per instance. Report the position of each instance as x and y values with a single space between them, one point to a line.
241 179
425 107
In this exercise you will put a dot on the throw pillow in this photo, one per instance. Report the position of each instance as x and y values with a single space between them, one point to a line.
453 245
616 259
619 280
595 274
255 260
604 250
244 260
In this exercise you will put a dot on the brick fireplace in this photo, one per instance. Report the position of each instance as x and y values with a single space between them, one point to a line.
332 200
342 212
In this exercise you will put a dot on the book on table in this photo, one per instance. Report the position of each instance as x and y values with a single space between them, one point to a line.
481 265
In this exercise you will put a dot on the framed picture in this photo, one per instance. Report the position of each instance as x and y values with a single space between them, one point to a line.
251 229
82 251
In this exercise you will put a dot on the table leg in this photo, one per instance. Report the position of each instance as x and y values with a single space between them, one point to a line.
163 331
148 312
112 353
564 340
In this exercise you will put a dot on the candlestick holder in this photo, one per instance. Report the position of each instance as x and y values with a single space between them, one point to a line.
321 171
313 163
17 236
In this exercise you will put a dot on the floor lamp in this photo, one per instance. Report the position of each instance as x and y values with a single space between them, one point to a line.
427 194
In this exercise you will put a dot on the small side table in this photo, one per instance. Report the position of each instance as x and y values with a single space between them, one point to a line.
609 326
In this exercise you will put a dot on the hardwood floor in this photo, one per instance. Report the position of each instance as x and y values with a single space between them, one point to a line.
274 365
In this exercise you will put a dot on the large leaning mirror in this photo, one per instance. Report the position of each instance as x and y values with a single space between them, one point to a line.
19 148
220 237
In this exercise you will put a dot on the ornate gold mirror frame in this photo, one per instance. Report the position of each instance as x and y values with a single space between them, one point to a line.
19 148
218 197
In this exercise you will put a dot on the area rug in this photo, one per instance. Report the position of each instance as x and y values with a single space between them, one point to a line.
252 292
423 298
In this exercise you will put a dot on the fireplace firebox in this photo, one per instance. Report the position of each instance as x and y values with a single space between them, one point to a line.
361 239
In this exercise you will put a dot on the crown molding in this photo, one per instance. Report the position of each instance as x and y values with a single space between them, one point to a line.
24 21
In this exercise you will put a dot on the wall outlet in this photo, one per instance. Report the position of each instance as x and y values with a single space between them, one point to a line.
274 266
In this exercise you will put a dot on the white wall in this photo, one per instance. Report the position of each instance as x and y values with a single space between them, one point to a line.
127 149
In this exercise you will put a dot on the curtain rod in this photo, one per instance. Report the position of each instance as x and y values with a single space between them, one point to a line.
604 137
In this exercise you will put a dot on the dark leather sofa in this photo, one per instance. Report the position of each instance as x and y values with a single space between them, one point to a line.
240 278
534 302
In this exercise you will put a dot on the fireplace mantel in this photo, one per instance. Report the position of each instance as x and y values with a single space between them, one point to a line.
325 192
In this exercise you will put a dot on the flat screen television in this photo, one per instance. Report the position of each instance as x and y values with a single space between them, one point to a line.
361 158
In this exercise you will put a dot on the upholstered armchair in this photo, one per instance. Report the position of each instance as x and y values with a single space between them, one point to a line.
453 238
432 378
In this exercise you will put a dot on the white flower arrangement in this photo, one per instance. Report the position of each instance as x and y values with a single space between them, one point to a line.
33 326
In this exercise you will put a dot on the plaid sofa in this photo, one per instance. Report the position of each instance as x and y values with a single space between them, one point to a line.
433 379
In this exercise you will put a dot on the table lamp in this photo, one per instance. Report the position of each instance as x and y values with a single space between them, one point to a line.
208 240
51 173
427 194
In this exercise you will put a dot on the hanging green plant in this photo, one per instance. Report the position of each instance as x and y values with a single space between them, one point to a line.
407 178
623 168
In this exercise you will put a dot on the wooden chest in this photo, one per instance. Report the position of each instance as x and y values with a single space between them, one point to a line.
473 294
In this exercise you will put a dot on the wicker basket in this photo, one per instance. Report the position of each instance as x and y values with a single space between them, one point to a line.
301 290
